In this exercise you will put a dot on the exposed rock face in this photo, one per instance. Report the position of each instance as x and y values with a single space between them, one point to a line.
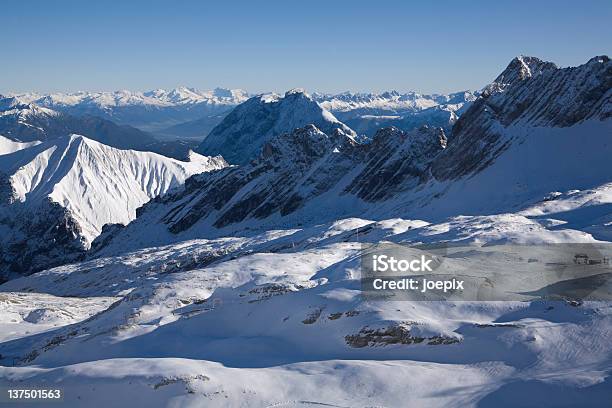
291 168
40 238
529 93
399 333
397 160
295 168
519 69
240 137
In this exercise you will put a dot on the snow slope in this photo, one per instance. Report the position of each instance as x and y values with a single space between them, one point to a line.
278 319
93 183
10 146
98 184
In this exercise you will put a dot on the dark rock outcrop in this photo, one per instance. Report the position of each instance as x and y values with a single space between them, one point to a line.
397 160
40 238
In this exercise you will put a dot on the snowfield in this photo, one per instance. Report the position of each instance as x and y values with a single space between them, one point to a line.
278 319
9 146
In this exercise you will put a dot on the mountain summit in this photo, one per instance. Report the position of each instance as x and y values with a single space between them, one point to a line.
528 93
520 69
242 134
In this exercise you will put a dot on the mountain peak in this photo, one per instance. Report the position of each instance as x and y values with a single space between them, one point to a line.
297 91
528 93
241 136
519 69
599 59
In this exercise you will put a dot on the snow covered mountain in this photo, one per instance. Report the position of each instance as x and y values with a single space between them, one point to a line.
57 195
151 111
491 165
388 102
367 112
241 135
530 93
244 287
188 113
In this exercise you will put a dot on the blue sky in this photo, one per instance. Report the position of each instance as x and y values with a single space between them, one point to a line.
260 46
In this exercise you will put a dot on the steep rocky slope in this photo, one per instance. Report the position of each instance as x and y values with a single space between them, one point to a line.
530 93
300 177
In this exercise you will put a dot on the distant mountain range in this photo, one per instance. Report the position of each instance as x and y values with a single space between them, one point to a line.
29 121
367 112
150 111
188 113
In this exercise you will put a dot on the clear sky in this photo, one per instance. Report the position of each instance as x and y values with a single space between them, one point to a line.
427 46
